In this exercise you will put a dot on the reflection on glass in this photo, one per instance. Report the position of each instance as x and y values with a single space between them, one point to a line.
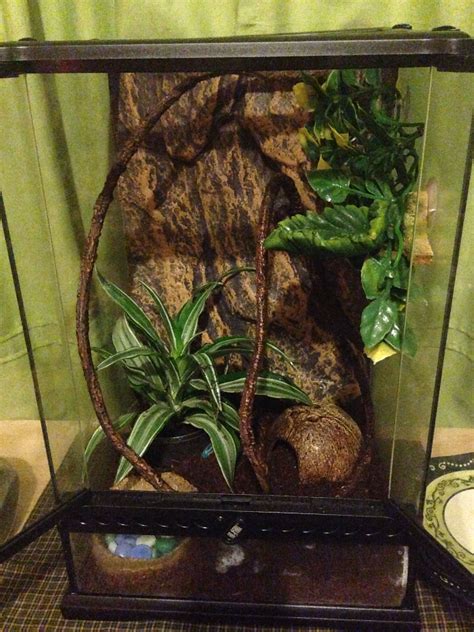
419 376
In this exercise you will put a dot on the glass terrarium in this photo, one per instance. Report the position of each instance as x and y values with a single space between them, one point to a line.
262 322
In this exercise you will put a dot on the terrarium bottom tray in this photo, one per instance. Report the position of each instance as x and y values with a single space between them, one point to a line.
258 579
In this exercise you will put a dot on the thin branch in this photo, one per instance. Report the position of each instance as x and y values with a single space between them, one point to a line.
247 433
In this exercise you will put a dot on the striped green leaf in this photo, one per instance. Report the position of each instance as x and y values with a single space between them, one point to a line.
98 435
171 329
268 384
129 354
240 344
222 441
187 318
148 425
210 376
133 312
229 415
142 371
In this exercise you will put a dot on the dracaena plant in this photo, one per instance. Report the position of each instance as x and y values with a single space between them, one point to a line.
365 163
177 377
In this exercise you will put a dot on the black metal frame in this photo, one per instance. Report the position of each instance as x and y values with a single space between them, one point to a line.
214 515
447 50
109 607
358 520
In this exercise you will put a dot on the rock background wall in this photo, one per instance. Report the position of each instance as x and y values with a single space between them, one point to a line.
190 200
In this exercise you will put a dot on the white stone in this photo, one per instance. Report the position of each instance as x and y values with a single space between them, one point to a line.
148 540
229 555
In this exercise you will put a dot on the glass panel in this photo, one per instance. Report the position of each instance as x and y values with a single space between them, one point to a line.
415 88
189 215
449 494
176 249
442 178
24 471
45 216
253 571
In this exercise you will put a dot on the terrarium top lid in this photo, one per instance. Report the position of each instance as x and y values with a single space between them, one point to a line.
445 48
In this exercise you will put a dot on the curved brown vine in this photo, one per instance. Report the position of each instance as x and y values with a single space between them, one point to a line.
247 433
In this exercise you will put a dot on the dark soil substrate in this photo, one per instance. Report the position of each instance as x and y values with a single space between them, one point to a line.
205 475
257 571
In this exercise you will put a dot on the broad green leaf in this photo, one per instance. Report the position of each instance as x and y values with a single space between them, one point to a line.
377 320
210 376
133 311
349 77
343 230
148 425
409 343
401 274
373 275
98 435
401 338
330 185
129 354
372 76
333 82
170 327
222 442
380 190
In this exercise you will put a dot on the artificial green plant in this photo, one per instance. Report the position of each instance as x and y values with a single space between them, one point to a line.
176 377
365 164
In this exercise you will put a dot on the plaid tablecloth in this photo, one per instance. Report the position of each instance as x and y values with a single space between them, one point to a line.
33 582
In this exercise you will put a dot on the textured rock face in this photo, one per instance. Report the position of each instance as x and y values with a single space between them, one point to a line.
326 441
190 200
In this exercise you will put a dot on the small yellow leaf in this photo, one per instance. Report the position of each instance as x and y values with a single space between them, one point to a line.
305 137
326 133
304 95
342 139
322 164
379 352
302 138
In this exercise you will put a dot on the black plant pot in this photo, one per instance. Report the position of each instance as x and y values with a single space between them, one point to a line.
177 443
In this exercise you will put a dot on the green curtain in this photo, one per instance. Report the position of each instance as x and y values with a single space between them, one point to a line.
55 150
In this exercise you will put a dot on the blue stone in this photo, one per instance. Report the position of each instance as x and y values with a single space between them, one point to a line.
142 551
123 549
122 538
